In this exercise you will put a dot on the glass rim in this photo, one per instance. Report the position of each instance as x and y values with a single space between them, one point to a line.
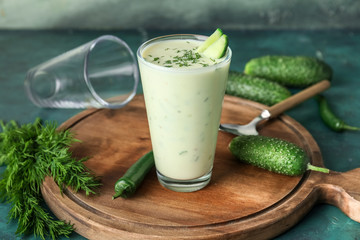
98 98
147 43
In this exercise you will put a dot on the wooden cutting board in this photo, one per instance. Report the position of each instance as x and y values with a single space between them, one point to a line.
241 201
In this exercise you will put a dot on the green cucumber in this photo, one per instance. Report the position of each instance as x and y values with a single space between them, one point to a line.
292 71
218 48
256 89
210 40
273 154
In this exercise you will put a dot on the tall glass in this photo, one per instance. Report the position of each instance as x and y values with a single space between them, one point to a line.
183 108
101 73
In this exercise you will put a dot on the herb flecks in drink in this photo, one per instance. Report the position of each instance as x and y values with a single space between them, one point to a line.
180 55
187 58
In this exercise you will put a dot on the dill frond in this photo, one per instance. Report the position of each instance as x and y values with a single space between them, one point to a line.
31 152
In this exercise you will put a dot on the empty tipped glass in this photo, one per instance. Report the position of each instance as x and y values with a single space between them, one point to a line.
102 73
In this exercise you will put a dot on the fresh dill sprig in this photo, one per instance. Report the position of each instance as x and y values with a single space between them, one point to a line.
31 152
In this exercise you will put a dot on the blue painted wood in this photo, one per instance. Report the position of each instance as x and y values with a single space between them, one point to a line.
20 50
170 14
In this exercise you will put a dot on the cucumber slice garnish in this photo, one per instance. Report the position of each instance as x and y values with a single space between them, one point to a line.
218 48
210 40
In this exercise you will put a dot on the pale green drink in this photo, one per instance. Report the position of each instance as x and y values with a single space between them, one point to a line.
183 93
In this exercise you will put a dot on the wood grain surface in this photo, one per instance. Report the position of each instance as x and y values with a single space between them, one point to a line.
241 201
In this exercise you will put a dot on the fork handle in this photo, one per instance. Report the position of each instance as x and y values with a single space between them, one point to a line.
297 98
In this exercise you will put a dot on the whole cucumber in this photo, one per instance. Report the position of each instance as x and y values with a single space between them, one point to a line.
272 154
291 71
255 89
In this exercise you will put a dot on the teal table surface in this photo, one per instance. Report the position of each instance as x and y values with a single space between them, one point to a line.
21 50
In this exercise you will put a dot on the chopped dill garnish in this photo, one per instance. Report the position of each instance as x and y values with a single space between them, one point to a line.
183 152
187 58
180 57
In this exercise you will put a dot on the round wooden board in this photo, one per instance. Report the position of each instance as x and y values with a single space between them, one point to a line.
241 201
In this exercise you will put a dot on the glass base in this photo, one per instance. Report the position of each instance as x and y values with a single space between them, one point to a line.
177 185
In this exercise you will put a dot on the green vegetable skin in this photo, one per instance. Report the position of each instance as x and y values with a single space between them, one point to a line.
255 89
292 71
218 48
272 154
215 46
329 117
210 40
133 177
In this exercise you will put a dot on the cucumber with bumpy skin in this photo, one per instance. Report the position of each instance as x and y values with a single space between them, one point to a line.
256 89
273 154
292 71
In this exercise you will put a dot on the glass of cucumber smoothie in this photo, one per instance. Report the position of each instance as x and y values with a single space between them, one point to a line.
184 92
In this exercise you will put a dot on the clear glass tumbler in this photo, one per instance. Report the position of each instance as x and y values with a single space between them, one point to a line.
183 108
102 73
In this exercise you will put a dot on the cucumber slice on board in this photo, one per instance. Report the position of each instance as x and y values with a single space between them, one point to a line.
210 40
218 48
